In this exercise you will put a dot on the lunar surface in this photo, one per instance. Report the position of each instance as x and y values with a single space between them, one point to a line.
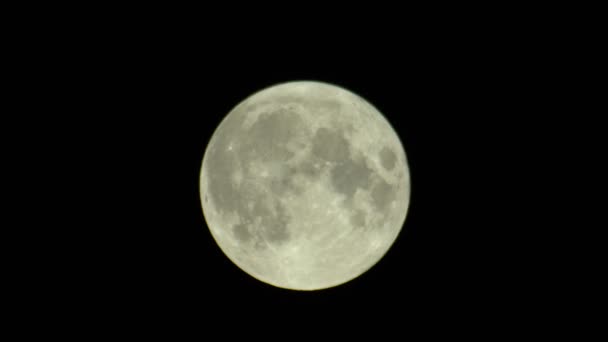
305 185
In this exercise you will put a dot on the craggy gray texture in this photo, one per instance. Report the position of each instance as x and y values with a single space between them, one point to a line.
349 175
358 219
387 158
330 146
382 195
264 142
267 139
288 174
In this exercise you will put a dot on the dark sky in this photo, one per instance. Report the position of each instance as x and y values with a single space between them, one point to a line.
159 118
139 105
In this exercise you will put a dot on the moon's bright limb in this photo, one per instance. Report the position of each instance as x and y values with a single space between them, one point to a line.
305 185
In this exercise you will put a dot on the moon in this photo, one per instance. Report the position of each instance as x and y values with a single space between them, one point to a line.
305 185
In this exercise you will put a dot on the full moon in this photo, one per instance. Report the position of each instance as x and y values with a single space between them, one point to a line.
305 185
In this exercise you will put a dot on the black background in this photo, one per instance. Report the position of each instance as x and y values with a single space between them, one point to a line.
137 102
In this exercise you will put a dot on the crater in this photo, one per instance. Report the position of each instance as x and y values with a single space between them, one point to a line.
232 151
275 225
387 158
268 137
272 219
241 232
347 176
275 231
330 145
280 185
220 166
382 195
358 219
310 167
